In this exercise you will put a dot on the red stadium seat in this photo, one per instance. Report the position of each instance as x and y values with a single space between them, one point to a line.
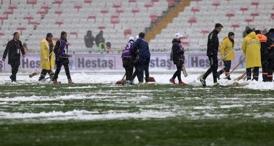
35 24
114 20
32 2
153 18
216 4
148 5
92 17
204 32
88 1
77 7
3 17
248 21
2 34
235 26
59 22
117 5
29 18
75 34
101 27
254 15
243 9
192 20
21 29
171 3
195 10
12 7
58 12
119 11
229 15
135 11
255 3
58 2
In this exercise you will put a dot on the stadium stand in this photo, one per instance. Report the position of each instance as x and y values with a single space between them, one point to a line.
117 18
198 19
122 18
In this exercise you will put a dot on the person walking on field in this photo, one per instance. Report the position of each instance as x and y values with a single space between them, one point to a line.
227 54
14 49
252 50
62 57
178 59
47 57
212 52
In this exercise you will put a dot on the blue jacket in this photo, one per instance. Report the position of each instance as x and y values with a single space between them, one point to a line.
143 50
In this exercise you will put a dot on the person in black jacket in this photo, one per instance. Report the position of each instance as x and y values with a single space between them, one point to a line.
13 49
212 53
178 59
264 54
143 58
62 57
270 44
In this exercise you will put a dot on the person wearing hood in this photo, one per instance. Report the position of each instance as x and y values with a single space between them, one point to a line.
212 53
227 54
89 39
99 39
62 57
178 59
47 58
252 51
264 54
128 60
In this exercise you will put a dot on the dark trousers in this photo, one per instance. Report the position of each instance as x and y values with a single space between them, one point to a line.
255 73
226 69
141 68
14 69
62 62
178 72
128 65
265 71
44 72
213 68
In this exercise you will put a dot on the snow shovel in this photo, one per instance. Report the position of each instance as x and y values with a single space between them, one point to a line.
150 80
121 82
33 74
242 76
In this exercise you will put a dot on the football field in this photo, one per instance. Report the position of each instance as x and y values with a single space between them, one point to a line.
145 115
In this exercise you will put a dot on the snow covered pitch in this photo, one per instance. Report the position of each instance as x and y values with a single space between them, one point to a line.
95 111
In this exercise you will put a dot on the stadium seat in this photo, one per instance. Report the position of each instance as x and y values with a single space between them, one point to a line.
198 19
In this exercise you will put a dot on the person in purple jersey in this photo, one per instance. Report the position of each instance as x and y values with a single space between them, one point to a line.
62 57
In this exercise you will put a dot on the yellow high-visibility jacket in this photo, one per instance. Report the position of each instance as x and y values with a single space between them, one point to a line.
227 50
47 58
252 50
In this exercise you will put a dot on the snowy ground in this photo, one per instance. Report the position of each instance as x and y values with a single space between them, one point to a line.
162 77
98 98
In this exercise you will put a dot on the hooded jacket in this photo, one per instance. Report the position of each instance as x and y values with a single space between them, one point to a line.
47 56
177 52
226 49
252 50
